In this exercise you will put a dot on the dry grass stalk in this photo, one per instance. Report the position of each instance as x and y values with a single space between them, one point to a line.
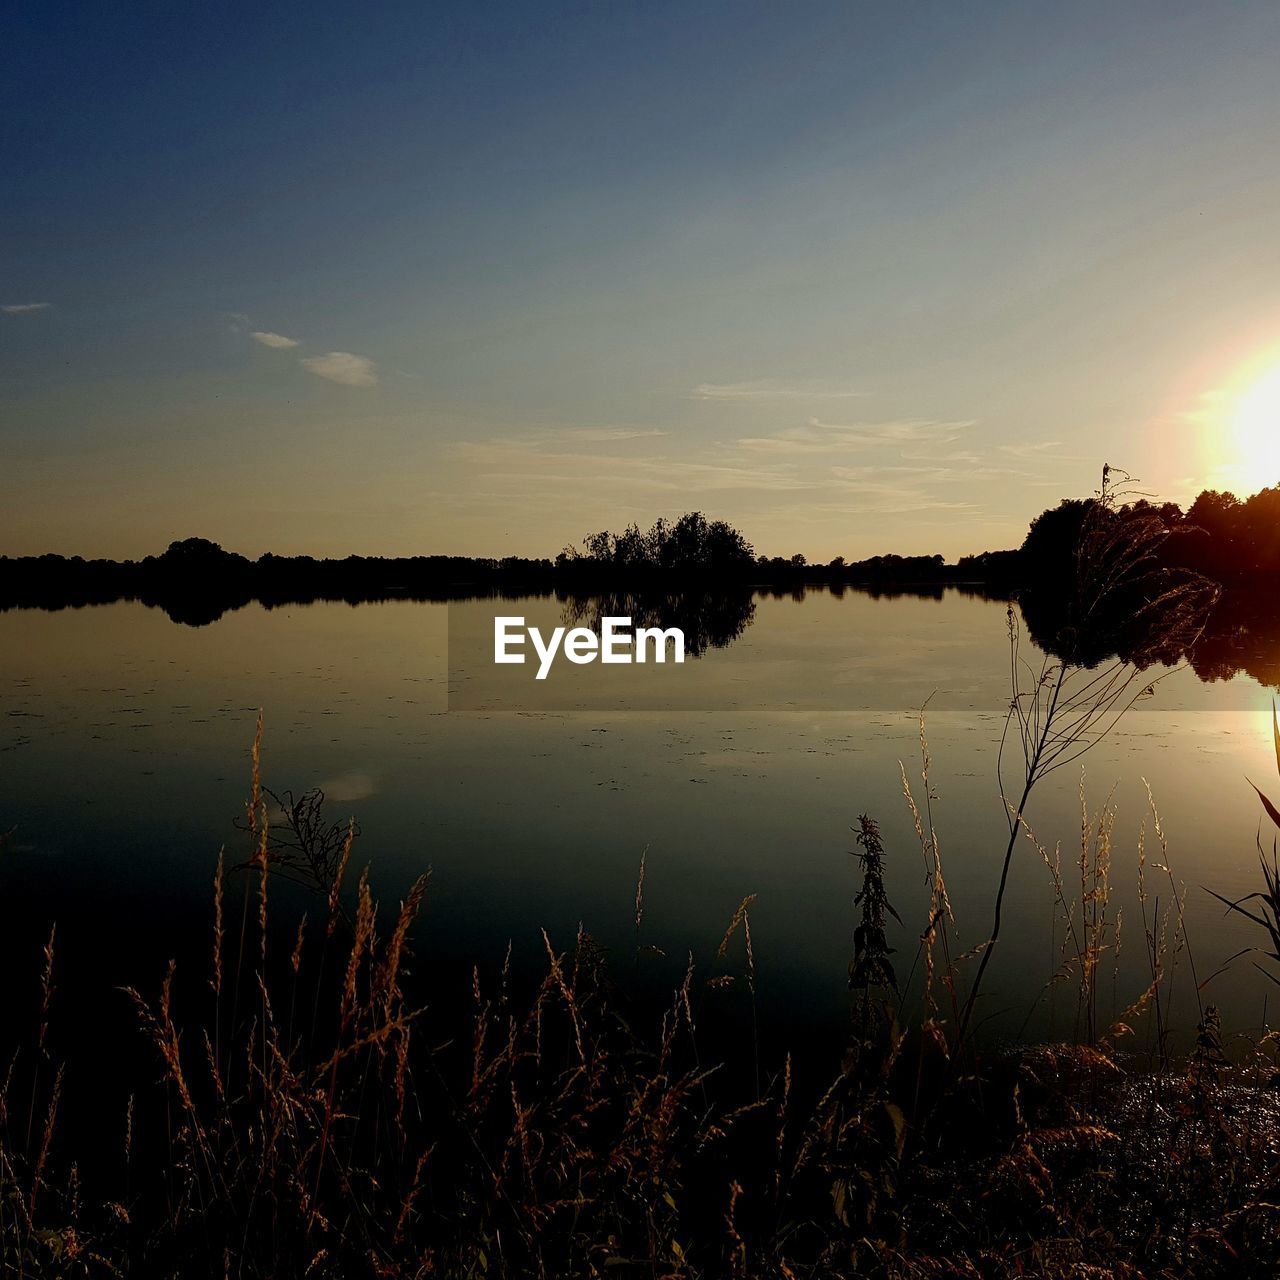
572 1135
1120 600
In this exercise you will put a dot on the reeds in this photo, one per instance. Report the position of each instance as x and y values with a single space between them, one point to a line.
1122 610
1090 933
352 1120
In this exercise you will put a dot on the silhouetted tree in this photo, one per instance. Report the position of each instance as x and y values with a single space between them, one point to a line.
1049 548
693 544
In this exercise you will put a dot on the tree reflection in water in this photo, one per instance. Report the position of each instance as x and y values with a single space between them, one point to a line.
710 619
1243 635
1240 635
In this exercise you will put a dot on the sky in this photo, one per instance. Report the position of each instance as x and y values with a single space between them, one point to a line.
481 279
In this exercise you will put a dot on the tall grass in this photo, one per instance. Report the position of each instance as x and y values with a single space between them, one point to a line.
323 1103
323 1109
1118 599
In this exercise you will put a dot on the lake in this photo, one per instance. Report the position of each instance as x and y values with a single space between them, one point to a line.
124 761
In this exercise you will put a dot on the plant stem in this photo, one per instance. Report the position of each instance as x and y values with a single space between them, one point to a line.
1033 767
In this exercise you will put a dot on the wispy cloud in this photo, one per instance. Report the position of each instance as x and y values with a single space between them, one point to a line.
958 457
1210 408
879 491
605 435
932 474
884 479
1029 450
556 446
827 437
341 366
774 389
276 340
515 460
1041 451
24 308
652 475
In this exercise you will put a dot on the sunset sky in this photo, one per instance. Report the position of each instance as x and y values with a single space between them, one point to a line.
479 279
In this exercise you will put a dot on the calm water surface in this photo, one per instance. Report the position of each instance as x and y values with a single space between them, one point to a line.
124 760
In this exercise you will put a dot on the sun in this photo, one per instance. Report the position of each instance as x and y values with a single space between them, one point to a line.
1256 430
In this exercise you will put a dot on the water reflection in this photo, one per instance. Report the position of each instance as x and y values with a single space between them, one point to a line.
1239 634
742 772
709 619
1243 635
1218 637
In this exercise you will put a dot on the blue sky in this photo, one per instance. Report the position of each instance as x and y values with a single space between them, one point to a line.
480 279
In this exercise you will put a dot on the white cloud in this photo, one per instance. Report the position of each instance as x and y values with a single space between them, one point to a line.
606 435
1041 451
276 340
828 437
515 460
343 367
964 456
888 495
774 389
1210 410
892 469
931 474
551 442
652 475
899 430
1030 450
25 308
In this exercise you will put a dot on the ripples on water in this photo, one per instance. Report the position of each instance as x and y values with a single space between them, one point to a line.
125 761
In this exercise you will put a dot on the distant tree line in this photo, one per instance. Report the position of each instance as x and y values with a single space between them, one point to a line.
195 580
695 546
1229 540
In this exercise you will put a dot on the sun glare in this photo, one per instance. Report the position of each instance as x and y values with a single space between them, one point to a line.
1257 430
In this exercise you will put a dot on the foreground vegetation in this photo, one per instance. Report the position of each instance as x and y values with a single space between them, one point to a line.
322 1109
314 1104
